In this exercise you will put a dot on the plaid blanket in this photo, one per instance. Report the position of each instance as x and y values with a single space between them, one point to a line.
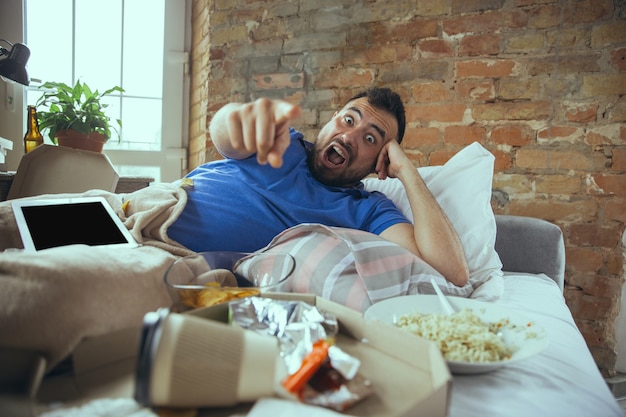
357 268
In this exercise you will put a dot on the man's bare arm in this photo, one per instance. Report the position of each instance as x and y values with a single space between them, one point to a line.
432 237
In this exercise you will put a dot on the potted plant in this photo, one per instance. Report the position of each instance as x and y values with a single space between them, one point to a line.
74 116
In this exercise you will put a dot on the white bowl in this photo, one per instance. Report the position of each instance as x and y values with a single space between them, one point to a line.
523 336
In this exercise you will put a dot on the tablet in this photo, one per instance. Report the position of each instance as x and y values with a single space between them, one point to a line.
49 223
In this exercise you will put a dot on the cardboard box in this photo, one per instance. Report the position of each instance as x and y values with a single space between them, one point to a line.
409 374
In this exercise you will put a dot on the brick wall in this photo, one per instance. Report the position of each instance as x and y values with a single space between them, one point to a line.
540 83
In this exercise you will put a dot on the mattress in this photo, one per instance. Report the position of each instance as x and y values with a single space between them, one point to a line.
563 380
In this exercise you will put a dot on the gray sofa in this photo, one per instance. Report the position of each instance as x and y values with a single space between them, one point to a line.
528 244
562 380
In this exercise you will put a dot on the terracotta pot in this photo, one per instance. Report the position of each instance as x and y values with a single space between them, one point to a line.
73 139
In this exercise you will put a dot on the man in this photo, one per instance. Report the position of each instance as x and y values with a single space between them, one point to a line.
242 202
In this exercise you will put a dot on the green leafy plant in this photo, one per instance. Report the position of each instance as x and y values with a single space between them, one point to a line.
78 108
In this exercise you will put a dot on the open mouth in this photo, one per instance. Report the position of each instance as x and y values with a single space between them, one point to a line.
336 155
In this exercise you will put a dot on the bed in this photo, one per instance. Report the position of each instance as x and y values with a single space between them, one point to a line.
515 262
563 380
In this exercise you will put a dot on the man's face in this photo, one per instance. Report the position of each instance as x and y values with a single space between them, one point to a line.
348 145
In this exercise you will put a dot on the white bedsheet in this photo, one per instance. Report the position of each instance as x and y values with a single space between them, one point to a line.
561 381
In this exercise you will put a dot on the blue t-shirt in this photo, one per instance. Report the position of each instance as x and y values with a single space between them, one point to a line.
239 205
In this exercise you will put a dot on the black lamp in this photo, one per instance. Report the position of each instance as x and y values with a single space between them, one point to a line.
13 67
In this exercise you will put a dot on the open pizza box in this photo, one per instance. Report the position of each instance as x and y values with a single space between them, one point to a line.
408 373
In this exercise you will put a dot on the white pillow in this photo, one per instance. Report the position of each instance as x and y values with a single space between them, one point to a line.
462 187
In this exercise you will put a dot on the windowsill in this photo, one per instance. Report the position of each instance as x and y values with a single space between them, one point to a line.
124 185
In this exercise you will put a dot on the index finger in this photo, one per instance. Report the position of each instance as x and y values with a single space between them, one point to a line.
284 113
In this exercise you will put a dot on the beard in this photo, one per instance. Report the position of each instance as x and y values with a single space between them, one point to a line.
345 177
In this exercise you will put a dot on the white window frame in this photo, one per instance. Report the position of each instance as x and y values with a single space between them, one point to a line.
172 159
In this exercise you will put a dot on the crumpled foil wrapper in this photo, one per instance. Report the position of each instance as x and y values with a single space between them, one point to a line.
297 325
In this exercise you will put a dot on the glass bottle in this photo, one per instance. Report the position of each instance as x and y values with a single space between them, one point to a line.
33 137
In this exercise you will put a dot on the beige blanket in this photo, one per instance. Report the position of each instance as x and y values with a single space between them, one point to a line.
52 299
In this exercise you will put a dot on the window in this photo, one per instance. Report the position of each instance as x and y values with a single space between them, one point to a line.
136 44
